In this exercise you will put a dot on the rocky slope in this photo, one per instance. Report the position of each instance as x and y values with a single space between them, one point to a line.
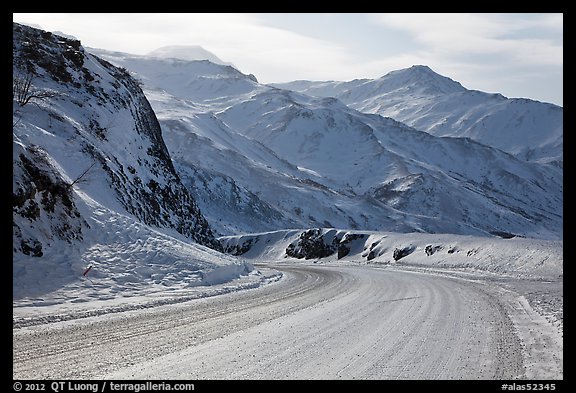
83 127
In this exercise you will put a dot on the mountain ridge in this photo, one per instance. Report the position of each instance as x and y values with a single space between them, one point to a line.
344 168
421 98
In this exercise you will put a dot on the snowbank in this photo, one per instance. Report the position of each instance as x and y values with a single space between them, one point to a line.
520 257
123 265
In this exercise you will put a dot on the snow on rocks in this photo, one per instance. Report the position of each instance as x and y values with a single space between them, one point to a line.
516 256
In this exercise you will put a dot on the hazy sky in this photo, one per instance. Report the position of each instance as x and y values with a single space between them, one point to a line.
517 55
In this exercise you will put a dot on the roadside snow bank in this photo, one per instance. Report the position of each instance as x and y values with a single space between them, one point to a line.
123 264
519 257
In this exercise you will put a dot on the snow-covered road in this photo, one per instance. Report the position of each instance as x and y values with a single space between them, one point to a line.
318 322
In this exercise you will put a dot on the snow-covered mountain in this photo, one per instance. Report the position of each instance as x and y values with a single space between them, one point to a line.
306 161
430 102
93 181
187 52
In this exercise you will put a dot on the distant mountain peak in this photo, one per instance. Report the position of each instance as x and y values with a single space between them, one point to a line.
421 68
187 52
416 69
423 78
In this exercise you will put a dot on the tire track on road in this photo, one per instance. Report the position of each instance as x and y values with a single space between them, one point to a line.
322 322
41 351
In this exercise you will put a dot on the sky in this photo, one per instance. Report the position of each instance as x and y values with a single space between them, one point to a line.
518 55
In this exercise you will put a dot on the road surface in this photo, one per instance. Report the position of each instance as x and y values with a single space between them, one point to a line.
317 322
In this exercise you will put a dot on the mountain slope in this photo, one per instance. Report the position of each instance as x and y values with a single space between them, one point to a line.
425 100
318 162
100 112
94 184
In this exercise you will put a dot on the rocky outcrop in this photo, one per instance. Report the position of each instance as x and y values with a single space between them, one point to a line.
238 249
402 252
318 243
44 200
311 244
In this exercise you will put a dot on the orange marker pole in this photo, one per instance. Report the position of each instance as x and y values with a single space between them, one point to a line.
87 270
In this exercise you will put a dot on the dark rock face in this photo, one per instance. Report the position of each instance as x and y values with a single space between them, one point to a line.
241 249
344 243
402 252
42 199
113 126
430 249
316 243
31 247
503 235
310 245
42 50
321 243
